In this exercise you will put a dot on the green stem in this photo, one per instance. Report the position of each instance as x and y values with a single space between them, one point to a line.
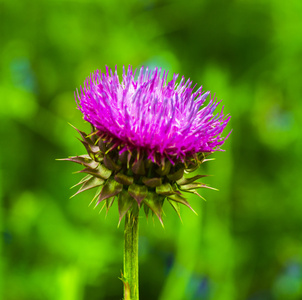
131 256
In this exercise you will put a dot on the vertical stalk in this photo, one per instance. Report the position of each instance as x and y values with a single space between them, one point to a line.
131 256
2 229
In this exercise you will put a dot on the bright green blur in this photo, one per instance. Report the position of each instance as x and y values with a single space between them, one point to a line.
245 243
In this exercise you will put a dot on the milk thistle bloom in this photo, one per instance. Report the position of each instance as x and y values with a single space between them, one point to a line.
146 134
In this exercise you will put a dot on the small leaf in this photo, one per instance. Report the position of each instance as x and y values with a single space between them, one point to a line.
155 203
96 195
93 135
195 185
176 175
110 189
126 288
83 180
109 202
91 183
146 209
84 160
87 142
100 171
152 182
98 157
102 145
208 159
138 167
184 180
125 202
103 171
138 192
164 169
83 135
165 189
110 164
192 168
195 193
104 204
90 148
123 179
181 200
176 207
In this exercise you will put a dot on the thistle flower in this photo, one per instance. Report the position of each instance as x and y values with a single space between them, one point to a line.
146 133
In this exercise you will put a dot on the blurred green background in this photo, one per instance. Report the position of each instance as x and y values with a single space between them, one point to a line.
246 243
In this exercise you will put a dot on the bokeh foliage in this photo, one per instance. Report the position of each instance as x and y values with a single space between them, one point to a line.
246 242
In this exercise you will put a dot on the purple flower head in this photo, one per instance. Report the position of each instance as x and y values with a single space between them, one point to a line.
150 115
147 136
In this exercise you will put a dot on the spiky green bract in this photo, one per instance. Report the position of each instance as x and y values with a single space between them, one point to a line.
134 179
